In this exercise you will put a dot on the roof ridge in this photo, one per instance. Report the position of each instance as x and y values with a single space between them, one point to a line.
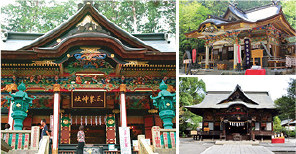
260 8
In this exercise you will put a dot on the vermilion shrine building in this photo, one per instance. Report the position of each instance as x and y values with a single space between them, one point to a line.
90 72
234 38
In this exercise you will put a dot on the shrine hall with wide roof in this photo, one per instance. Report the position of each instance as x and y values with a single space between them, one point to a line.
247 114
265 27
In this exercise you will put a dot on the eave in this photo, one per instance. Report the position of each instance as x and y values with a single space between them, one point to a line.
278 20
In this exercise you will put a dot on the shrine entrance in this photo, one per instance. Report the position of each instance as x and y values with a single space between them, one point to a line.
94 134
237 127
237 131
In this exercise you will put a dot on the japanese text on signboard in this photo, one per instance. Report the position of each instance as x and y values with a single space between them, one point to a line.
88 99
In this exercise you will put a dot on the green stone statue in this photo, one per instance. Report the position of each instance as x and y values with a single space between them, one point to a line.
20 103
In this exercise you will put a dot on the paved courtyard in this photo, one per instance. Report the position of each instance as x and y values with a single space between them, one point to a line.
188 145
236 149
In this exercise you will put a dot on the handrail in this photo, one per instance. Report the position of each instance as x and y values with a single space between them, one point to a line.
44 148
267 51
144 147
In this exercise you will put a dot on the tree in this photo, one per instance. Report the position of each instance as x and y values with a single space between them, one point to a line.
132 16
286 104
192 14
277 128
36 15
191 91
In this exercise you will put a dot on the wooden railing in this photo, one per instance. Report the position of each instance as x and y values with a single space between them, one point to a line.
144 147
19 139
44 147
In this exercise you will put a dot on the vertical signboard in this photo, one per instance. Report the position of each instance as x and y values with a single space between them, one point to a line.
156 137
13 141
35 138
26 145
20 141
51 125
125 142
247 53
173 140
165 140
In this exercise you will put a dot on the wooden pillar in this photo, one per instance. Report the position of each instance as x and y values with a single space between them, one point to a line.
56 110
224 131
207 57
122 106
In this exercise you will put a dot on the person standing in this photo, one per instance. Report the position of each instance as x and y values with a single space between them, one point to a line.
80 139
44 131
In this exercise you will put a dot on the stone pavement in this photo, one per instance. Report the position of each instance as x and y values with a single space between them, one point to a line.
188 145
288 146
236 149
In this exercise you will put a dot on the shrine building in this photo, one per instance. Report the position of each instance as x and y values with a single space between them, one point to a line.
87 71
243 38
236 115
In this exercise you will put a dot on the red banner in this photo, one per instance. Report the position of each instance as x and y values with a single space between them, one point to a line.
238 53
193 55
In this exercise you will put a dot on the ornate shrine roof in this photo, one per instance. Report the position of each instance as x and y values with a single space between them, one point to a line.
224 99
237 19
18 40
86 28
255 14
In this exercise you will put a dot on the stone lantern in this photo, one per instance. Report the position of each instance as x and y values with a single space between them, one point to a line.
20 105
165 101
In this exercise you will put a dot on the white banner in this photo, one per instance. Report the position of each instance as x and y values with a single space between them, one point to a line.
125 141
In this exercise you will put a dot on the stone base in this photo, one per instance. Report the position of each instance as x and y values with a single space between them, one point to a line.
165 151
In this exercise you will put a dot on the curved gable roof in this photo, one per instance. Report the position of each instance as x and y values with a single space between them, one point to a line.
214 100
101 19
254 14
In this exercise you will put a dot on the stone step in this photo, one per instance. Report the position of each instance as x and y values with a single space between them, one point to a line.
237 142
22 151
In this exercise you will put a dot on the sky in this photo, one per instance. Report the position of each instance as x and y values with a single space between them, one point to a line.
276 85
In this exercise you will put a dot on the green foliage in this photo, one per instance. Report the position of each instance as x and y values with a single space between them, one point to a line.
42 15
289 9
191 91
192 14
286 104
36 16
277 128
